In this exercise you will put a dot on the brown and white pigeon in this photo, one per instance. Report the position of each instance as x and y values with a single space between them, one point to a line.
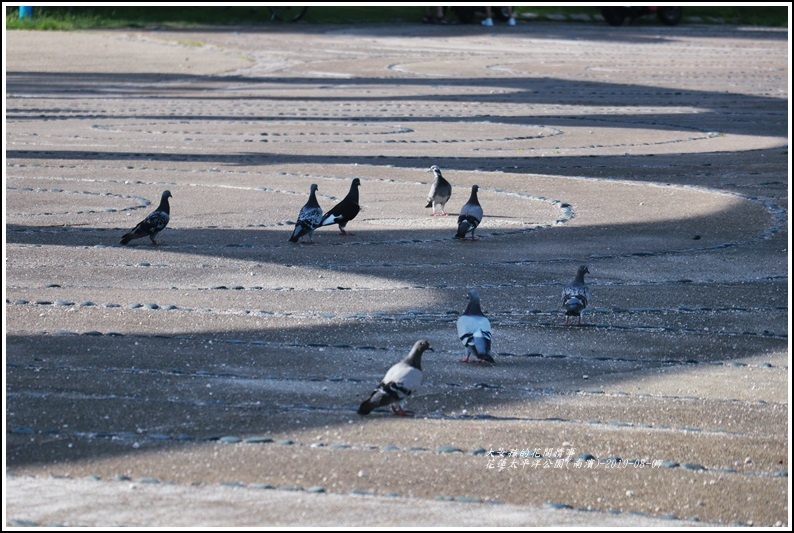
152 224
576 295
309 217
470 216
474 330
399 382
440 192
344 211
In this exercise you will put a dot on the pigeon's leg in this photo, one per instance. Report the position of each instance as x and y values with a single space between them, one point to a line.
464 360
566 320
399 411
151 238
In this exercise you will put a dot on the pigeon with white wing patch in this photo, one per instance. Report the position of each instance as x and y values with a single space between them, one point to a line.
344 211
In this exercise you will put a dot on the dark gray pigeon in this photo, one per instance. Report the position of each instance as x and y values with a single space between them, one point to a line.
399 382
344 211
470 215
474 330
576 295
152 224
440 192
309 217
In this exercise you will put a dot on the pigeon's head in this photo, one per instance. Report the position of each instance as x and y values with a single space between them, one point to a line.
435 170
356 182
422 346
313 188
475 188
473 295
583 269
166 194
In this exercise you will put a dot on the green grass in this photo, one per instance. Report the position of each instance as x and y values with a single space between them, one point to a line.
74 18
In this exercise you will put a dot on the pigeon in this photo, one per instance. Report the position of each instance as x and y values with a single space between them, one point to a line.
152 224
400 381
344 211
470 216
440 192
309 217
576 295
474 330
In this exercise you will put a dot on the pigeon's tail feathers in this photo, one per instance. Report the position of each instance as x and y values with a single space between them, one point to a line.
485 356
429 203
465 226
136 233
385 394
299 232
481 344
478 344
574 305
367 406
378 399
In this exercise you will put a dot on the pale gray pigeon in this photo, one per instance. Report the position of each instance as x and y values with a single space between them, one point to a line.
470 215
576 295
474 330
440 192
400 381
152 224
309 217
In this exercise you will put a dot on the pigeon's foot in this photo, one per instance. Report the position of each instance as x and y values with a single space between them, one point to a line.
345 233
464 360
399 411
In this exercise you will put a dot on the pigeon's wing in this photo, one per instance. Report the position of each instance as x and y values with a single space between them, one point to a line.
309 219
149 226
575 298
471 210
468 222
432 194
404 376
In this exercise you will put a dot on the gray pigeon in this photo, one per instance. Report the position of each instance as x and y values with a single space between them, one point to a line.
440 192
474 330
576 295
309 217
344 211
399 382
152 224
470 216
